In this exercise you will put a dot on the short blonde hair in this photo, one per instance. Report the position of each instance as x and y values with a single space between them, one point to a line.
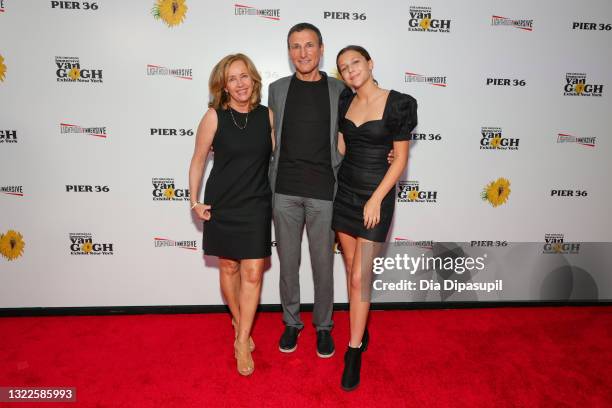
218 80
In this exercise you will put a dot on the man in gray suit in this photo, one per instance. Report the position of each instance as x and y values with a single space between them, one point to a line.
303 178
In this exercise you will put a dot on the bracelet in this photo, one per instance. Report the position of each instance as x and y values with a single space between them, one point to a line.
194 204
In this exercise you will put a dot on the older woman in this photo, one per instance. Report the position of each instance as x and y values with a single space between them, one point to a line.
371 121
237 200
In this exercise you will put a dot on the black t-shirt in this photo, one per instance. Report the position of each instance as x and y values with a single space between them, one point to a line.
304 167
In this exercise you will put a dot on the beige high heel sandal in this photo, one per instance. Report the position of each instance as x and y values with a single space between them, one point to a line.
251 342
244 360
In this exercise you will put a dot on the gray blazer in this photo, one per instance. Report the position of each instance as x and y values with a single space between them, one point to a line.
277 96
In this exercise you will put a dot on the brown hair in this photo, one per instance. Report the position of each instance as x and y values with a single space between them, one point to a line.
357 48
218 79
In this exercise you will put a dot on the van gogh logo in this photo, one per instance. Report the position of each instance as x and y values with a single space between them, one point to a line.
165 242
410 192
242 10
522 24
420 20
492 139
428 79
83 244
69 70
8 136
164 189
567 138
91 131
12 190
576 85
555 244
182 73
2 69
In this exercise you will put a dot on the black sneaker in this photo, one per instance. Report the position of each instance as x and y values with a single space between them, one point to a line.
288 341
325 344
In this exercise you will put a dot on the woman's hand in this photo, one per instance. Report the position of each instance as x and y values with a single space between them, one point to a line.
371 213
203 211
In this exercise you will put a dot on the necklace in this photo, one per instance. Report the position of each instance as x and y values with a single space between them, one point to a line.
234 120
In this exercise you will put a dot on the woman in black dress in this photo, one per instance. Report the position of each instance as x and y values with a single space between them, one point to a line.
371 121
237 200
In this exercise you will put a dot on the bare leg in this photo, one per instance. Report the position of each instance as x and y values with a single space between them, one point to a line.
347 243
251 272
360 286
229 277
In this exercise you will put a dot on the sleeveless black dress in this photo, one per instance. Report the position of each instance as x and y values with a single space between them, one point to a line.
238 189
365 163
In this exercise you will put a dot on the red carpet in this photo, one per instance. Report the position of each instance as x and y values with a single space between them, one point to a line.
505 357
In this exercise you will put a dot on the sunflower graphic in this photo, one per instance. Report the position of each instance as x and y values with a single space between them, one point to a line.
11 245
87 247
425 23
169 192
172 12
74 73
579 88
497 192
496 142
558 248
413 195
2 69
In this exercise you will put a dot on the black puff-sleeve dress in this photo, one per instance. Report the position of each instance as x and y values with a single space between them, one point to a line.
365 163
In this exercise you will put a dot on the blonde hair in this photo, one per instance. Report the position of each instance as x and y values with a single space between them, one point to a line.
218 79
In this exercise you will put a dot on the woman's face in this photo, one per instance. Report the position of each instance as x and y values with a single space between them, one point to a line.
239 84
354 68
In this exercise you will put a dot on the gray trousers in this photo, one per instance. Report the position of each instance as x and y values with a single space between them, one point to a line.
290 214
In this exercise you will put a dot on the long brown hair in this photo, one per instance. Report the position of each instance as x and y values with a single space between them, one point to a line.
218 79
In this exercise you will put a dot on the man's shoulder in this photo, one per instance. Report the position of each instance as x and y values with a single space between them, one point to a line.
336 84
280 82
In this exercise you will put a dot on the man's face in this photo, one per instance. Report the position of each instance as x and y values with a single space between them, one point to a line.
305 51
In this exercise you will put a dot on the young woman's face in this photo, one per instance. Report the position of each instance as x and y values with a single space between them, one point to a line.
354 68
239 84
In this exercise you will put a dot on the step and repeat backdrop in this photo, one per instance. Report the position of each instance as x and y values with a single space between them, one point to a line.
100 101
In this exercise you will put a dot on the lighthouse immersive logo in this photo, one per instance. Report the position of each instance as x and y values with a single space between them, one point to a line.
95 131
436 80
244 10
69 69
522 24
12 190
158 70
491 138
576 84
165 242
171 12
421 19
583 141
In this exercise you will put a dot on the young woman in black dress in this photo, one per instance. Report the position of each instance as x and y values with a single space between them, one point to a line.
237 200
371 121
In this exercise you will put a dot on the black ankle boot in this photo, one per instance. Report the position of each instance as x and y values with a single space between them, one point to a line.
365 340
352 368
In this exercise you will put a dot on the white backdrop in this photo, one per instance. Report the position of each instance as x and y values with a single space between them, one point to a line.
540 44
